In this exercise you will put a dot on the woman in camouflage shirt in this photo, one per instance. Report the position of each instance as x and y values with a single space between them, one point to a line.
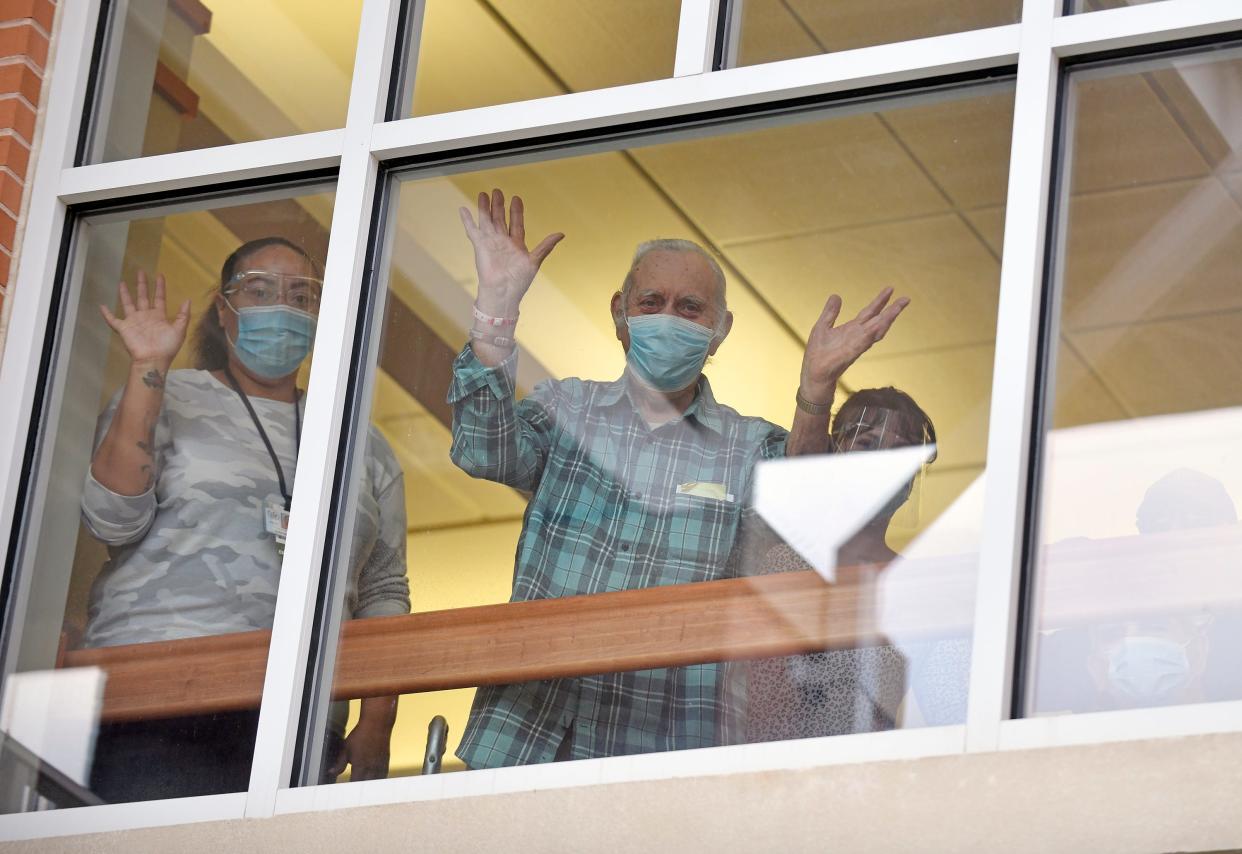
191 472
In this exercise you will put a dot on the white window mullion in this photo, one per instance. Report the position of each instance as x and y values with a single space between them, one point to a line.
1122 725
202 168
1013 379
1150 24
696 37
325 402
905 62
35 268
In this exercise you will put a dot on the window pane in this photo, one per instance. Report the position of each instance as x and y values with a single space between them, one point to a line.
1136 591
229 71
577 493
785 29
474 53
173 439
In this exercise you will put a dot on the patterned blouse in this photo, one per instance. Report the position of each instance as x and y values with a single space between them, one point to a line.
844 691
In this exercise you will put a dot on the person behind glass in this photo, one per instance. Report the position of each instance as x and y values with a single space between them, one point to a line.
1162 658
190 486
839 691
633 483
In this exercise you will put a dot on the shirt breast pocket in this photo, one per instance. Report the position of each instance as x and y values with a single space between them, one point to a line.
699 536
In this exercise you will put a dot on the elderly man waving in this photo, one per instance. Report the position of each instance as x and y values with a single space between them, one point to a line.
634 483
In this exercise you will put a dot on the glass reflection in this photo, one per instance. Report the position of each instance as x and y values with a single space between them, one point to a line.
173 435
182 74
475 53
567 506
1140 543
770 30
858 689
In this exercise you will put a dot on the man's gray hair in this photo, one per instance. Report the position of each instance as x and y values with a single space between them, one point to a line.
669 244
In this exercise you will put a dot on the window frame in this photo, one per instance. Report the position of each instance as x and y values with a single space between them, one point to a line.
364 149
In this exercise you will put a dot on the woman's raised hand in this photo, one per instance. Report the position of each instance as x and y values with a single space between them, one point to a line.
151 338
505 266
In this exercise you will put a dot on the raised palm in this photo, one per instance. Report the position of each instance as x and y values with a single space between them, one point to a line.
505 266
832 348
145 329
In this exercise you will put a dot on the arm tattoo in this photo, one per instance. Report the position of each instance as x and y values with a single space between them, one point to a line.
148 447
153 379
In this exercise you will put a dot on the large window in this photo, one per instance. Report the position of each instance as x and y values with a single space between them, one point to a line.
1142 473
165 470
526 531
815 219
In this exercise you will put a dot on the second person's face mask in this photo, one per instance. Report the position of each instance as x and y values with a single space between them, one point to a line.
1148 670
667 352
273 340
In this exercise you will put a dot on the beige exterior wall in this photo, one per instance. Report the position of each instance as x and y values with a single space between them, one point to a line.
1182 794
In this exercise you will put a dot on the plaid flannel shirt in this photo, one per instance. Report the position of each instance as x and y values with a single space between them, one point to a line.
605 514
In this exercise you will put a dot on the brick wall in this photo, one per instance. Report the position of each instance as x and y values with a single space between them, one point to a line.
25 27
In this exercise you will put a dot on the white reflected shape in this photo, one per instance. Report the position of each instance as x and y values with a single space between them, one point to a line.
1098 474
54 714
818 503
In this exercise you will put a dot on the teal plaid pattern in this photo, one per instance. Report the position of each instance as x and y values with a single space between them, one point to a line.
604 514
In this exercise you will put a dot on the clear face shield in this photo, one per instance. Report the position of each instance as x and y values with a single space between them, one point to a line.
874 428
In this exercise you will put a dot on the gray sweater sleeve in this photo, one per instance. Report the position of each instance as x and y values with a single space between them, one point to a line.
382 588
115 519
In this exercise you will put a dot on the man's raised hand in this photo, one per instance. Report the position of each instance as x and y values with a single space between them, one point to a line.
504 265
831 349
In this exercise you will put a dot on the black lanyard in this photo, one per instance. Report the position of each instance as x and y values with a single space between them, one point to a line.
267 443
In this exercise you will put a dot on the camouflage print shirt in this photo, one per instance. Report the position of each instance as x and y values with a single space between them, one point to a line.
191 557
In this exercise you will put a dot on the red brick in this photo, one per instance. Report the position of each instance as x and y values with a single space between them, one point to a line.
17 77
42 11
5 262
17 115
14 155
8 230
11 191
24 40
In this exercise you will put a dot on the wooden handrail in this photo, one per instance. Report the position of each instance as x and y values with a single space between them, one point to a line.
496 644
669 626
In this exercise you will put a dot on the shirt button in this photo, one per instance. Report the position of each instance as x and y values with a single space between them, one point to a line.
637 496
625 547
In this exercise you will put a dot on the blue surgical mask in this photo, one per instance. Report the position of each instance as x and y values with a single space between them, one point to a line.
1148 669
272 340
667 352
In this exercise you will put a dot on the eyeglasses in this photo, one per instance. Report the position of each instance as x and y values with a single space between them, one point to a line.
259 287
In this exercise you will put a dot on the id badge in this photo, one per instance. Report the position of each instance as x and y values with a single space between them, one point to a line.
276 521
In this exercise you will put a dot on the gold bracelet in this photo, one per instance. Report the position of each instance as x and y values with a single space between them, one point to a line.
812 408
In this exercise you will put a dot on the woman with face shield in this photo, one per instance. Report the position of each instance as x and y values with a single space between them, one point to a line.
846 690
190 488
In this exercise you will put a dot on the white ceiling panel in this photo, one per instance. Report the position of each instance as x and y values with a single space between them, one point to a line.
1126 136
591 44
963 143
840 172
1170 366
848 24
1152 252
938 262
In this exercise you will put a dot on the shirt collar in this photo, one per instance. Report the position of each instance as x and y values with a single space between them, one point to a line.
703 409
